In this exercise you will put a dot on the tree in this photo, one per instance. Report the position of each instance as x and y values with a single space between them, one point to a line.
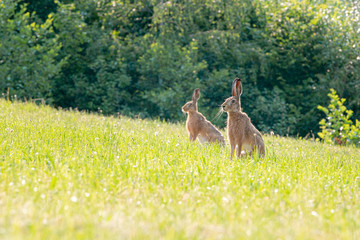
28 53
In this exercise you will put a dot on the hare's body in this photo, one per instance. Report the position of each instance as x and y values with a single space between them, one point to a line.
243 136
198 126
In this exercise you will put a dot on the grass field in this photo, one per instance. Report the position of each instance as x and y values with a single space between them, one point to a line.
71 175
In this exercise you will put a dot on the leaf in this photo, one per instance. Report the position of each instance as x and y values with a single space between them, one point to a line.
325 110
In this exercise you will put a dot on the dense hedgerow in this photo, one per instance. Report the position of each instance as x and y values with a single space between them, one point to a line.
146 57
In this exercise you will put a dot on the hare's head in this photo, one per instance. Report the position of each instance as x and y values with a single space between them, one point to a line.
192 105
233 104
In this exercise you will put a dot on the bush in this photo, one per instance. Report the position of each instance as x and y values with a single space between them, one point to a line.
94 76
28 53
146 57
338 127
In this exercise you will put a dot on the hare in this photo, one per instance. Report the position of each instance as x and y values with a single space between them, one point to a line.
198 126
241 132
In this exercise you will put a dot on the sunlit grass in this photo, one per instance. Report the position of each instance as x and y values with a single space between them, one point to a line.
71 175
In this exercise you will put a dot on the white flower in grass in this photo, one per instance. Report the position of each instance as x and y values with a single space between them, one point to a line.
315 214
74 199
226 200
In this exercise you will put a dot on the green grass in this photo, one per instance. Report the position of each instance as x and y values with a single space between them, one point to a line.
71 175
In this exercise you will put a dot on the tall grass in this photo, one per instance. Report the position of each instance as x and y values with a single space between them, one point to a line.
72 175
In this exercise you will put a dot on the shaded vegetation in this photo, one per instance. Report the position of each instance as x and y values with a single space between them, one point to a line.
146 57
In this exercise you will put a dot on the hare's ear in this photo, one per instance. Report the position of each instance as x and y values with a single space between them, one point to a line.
196 95
237 87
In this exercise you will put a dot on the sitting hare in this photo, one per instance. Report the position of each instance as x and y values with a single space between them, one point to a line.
198 126
241 132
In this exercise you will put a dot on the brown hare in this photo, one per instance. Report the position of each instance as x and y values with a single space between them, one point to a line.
243 136
198 126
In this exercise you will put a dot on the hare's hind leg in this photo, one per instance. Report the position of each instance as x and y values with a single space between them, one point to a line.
233 146
193 137
258 150
202 139
260 146
262 150
238 150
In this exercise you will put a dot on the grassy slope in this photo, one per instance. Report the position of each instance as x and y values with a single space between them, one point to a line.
73 175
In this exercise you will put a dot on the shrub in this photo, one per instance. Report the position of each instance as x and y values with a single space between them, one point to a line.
338 127
28 53
93 77
146 57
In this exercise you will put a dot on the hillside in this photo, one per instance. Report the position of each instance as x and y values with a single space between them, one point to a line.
72 175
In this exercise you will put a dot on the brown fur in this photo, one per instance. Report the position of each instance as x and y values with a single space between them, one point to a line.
241 132
198 126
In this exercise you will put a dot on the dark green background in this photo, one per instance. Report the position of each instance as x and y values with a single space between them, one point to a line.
146 57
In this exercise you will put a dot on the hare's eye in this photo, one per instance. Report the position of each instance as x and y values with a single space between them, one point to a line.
233 101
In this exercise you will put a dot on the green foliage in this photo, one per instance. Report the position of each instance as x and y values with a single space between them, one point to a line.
42 8
146 57
93 77
169 71
28 53
338 127
270 112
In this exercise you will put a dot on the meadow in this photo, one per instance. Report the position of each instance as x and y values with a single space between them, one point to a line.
74 175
